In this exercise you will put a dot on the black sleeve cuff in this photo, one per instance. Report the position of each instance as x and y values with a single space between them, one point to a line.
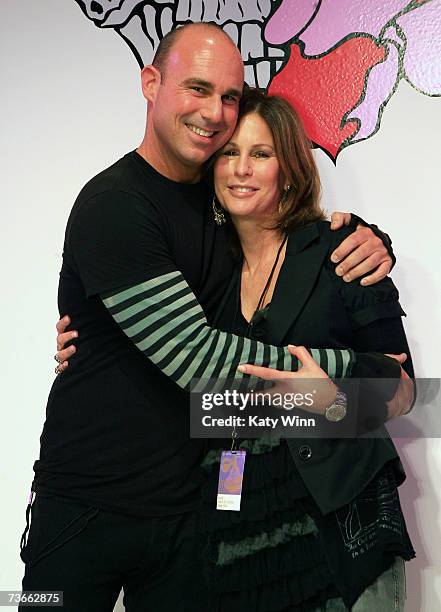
379 377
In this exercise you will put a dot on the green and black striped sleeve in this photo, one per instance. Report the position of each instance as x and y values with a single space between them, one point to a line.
165 321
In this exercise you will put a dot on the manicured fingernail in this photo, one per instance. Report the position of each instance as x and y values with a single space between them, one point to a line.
339 270
75 334
334 258
347 278
363 282
242 368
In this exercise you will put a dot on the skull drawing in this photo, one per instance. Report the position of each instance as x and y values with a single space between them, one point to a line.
142 24
338 62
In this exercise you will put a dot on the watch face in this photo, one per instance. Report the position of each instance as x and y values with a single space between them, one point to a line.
335 413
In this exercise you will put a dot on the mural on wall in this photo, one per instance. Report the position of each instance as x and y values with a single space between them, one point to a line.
337 61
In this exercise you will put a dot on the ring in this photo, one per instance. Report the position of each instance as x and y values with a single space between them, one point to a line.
57 370
57 359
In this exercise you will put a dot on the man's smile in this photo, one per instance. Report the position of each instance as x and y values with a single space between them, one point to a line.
200 131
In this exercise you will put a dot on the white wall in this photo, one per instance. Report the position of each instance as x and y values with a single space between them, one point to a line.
70 105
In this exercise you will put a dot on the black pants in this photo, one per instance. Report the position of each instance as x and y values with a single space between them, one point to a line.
90 554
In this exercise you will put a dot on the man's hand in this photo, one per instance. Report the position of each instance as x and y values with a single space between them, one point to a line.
294 382
63 336
404 397
360 253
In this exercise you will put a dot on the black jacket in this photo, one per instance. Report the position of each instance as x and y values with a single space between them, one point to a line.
312 306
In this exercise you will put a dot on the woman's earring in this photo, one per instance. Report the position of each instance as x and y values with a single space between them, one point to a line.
283 199
219 216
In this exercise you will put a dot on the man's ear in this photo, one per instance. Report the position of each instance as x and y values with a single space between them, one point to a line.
150 80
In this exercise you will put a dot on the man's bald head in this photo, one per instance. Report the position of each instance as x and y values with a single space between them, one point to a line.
193 90
169 41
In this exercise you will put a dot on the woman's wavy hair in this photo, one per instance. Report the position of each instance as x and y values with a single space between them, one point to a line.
300 205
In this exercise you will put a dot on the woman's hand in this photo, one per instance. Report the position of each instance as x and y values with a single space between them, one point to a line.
298 382
400 404
63 354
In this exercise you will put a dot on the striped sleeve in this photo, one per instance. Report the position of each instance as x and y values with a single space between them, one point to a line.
165 321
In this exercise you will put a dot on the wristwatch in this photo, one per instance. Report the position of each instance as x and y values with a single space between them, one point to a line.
337 410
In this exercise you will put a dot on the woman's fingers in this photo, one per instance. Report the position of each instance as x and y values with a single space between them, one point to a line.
302 354
305 361
65 337
265 373
64 354
62 324
61 367
401 358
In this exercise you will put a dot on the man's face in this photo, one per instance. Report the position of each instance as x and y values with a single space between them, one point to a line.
194 112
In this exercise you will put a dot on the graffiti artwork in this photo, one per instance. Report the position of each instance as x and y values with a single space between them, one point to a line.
338 62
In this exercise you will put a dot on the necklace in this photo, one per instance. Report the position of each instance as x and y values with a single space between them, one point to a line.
268 282
234 436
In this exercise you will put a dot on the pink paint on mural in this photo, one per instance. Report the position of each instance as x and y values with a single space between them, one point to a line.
288 20
277 44
335 20
422 59
380 85
410 32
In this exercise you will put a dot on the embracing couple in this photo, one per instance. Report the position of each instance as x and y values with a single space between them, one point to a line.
166 281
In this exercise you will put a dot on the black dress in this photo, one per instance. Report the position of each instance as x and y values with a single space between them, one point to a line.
280 552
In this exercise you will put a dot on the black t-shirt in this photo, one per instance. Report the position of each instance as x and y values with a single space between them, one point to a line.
117 430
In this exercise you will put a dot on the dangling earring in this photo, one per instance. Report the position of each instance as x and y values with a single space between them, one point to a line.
282 201
219 215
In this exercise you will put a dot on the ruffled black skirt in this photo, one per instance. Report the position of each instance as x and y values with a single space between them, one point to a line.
268 556
271 556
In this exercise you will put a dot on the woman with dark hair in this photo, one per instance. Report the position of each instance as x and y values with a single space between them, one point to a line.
320 525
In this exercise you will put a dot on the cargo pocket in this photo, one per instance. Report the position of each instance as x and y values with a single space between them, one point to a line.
50 523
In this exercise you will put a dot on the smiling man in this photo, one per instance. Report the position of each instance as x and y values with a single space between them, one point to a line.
192 109
144 269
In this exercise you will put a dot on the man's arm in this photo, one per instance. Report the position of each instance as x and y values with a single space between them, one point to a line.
367 249
165 321
358 254
93 258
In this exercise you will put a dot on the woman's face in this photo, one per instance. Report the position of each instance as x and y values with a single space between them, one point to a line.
247 175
